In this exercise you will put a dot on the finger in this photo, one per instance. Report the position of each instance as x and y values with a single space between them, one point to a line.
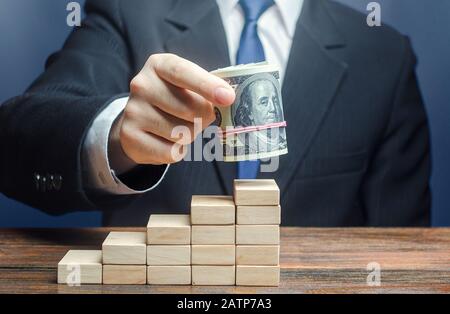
185 74
146 148
153 120
176 101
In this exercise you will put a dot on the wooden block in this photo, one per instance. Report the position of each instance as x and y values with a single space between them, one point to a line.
258 215
124 274
169 229
125 248
169 275
213 275
213 210
213 234
256 192
258 255
168 255
213 254
257 275
258 234
89 263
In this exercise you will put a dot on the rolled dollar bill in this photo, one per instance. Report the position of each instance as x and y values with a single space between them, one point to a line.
254 126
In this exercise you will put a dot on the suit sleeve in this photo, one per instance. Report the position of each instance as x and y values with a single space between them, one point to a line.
396 189
42 131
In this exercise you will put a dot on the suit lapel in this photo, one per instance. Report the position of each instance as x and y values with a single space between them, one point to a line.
200 37
312 80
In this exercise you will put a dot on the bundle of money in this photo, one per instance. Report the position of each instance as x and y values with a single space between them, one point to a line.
254 126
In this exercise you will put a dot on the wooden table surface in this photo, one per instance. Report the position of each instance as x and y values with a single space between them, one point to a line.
312 260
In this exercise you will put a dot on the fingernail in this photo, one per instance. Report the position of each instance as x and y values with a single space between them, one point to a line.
224 96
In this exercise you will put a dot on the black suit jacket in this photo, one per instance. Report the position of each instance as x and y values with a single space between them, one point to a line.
357 130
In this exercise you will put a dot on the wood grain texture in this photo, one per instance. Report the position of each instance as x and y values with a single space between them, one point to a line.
256 192
213 275
312 260
258 234
125 248
264 276
213 255
257 255
213 234
87 262
258 215
169 229
169 275
213 210
124 274
169 255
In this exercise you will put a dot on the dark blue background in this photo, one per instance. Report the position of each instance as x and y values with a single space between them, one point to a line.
31 30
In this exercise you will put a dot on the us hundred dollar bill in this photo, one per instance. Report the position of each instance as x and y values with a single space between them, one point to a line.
254 126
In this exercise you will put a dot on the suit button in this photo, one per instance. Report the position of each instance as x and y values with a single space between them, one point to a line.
43 184
37 181
49 182
57 182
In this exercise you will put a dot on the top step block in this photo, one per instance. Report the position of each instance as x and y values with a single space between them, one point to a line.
213 210
256 192
169 229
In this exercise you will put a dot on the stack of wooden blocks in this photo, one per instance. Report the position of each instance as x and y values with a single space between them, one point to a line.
225 241
213 221
258 214
124 258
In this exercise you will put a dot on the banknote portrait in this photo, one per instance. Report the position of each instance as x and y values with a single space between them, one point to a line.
254 126
258 103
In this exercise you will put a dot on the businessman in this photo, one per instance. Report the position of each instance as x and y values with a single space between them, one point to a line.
94 130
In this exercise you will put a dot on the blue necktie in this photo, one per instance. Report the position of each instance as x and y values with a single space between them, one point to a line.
251 50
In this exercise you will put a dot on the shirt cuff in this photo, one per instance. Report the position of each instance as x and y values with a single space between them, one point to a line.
98 174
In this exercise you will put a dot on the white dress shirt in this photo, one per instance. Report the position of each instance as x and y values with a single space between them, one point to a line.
276 29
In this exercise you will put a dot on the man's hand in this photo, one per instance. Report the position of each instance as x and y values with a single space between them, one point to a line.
168 92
